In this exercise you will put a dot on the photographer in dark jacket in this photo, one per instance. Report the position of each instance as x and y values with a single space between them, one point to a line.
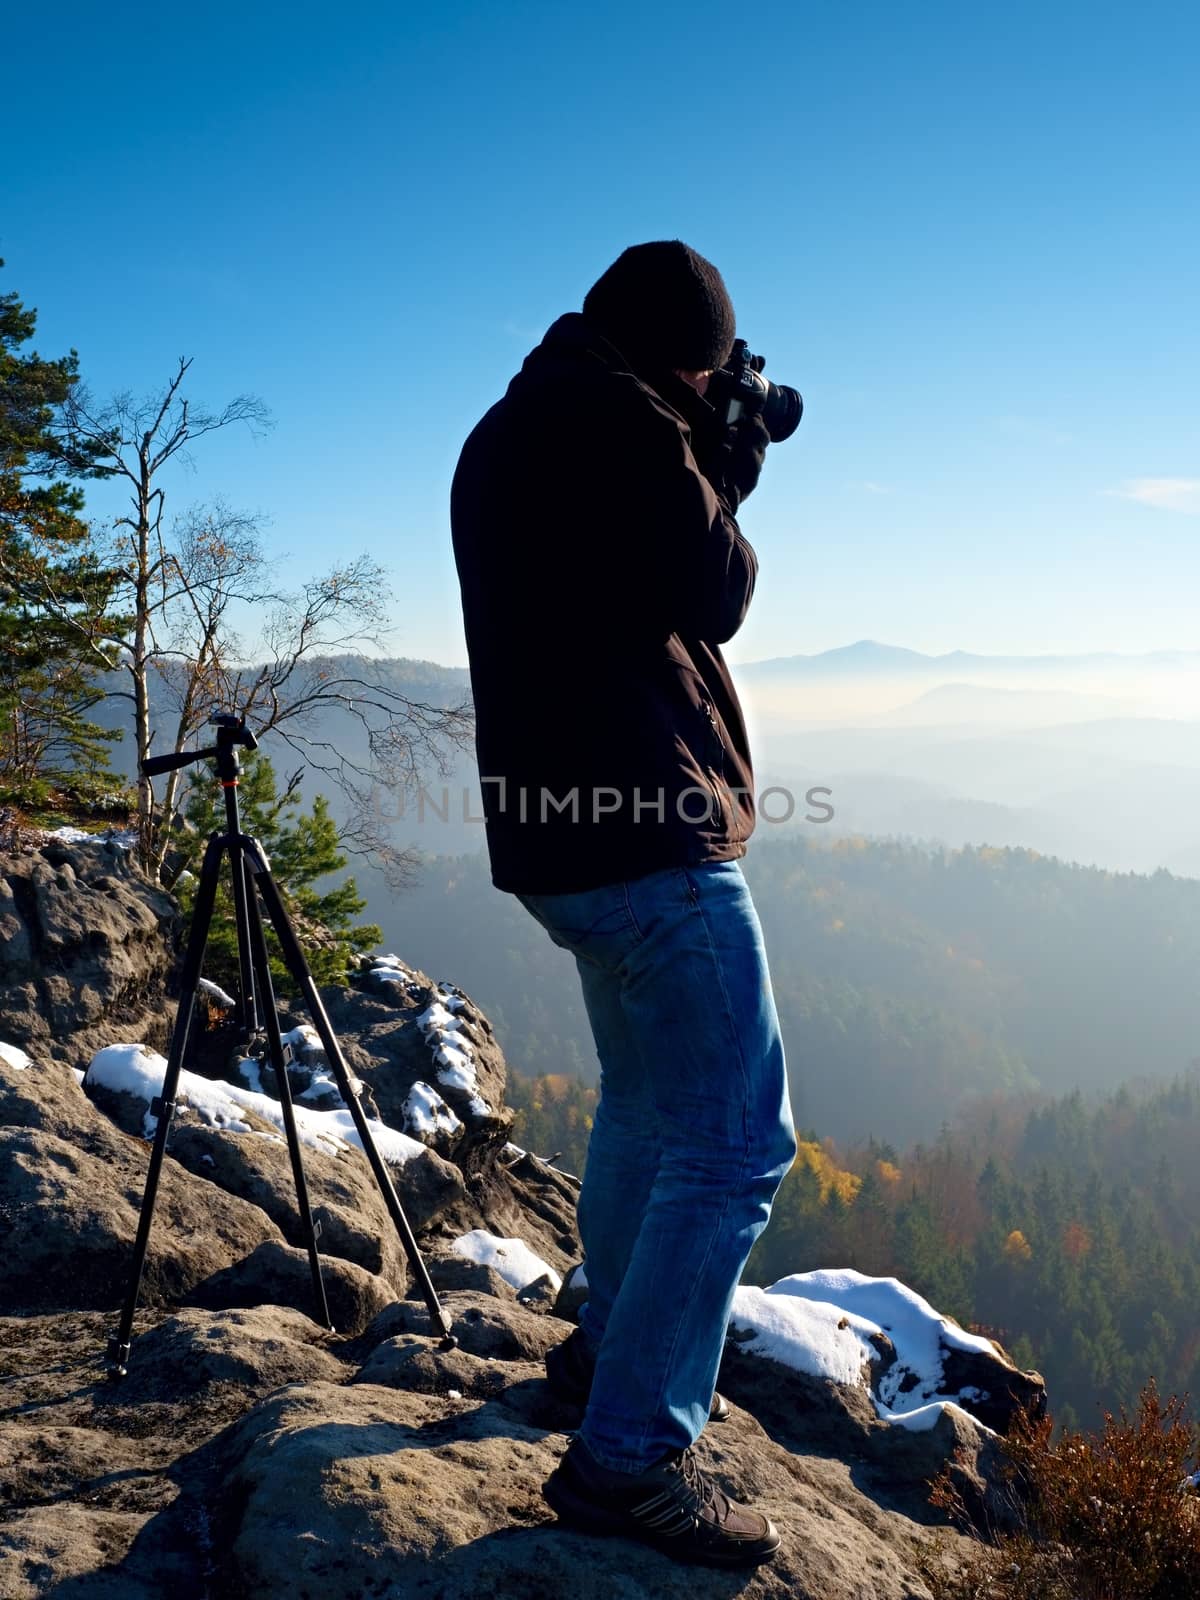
602 567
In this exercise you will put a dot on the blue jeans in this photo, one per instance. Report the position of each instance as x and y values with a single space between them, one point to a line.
692 1136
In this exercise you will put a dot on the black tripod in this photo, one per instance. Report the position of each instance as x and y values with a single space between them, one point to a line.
251 879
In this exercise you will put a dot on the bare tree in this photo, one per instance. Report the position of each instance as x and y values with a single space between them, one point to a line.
135 439
316 675
185 585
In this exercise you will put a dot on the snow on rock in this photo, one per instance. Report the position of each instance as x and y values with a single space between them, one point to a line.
511 1258
13 1057
322 1087
388 972
427 1114
119 838
251 1069
821 1323
216 994
451 1048
132 1069
804 1335
305 1042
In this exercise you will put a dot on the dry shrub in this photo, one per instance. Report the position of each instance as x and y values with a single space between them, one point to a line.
1107 1516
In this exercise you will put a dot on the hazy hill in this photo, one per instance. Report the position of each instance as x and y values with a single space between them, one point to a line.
953 749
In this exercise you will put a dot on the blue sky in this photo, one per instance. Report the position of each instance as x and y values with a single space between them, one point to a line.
968 234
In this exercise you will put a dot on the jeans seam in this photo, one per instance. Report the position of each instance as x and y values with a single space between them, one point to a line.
632 915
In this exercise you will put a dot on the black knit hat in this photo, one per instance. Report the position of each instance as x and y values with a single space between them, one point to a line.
663 305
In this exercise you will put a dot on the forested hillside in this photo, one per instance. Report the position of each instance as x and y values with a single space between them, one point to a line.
908 980
1068 1229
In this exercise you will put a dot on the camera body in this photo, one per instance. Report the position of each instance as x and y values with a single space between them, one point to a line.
739 387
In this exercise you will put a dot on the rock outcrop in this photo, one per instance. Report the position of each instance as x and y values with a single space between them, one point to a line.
251 1452
82 939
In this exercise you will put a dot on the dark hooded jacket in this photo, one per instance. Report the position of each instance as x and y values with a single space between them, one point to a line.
600 574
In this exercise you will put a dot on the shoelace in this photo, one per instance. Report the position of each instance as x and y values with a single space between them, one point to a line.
702 1487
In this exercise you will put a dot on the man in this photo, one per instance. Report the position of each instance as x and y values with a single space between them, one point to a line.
601 565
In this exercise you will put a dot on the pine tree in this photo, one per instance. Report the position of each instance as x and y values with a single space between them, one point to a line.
50 657
302 848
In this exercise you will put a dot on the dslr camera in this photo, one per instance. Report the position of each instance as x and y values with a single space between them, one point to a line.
739 387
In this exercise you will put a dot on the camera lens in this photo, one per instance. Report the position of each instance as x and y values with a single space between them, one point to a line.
782 411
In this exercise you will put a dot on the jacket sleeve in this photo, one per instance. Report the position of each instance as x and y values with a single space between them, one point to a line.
694 566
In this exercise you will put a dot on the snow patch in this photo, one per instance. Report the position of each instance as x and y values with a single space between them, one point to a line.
13 1057
391 969
821 1323
425 1112
305 1038
804 1335
217 994
140 1072
516 1263
308 1050
452 1050
251 1070
119 838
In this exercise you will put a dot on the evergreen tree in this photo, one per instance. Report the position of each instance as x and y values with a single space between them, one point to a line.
302 848
49 657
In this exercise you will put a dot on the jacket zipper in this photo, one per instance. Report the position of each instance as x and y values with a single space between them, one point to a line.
709 770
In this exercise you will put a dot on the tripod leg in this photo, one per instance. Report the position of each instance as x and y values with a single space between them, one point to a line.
293 956
247 1002
260 961
164 1106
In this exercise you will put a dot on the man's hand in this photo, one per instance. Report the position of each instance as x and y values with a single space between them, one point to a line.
740 461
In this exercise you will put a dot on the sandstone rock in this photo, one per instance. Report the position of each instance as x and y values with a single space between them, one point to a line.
276 1275
420 1478
528 1200
48 1549
425 1495
809 1416
456 1272
68 1216
540 1294
257 1349
48 1096
997 1389
355 1223
85 950
482 1326
572 1296
417 1031
43 1466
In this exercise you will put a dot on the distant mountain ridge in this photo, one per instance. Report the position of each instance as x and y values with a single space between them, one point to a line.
872 656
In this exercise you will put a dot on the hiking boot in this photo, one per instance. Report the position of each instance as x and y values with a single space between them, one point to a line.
674 1506
570 1366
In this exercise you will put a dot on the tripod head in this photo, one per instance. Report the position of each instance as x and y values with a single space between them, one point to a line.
232 732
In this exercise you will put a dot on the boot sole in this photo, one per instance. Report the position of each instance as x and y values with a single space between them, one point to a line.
587 1517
